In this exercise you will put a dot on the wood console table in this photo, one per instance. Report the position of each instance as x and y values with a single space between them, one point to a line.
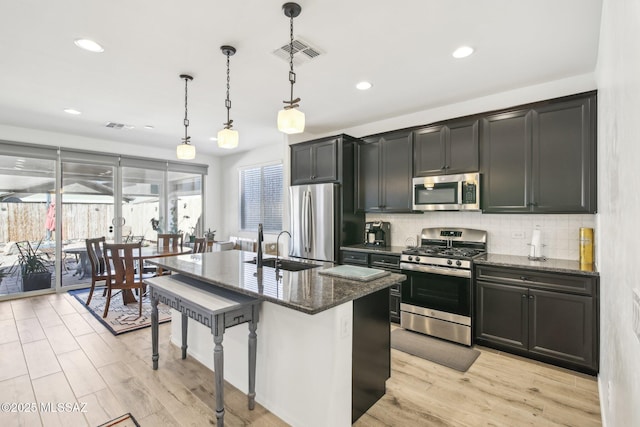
213 307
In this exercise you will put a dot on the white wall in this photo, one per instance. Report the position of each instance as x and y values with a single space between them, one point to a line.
212 181
618 76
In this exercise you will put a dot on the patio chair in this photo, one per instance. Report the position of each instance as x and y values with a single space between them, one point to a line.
98 265
123 262
199 245
166 241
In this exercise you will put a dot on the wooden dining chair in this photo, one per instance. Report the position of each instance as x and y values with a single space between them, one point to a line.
98 265
124 269
199 245
166 241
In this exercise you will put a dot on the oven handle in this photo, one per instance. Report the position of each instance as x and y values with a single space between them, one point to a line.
421 268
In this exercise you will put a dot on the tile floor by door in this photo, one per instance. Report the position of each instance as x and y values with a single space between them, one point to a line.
53 351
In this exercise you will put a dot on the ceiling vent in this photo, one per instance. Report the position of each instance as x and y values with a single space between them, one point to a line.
303 52
114 125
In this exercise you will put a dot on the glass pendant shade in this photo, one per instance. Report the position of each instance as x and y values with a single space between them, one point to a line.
186 151
228 138
291 121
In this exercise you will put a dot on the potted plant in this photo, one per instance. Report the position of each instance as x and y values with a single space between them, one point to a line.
210 235
35 274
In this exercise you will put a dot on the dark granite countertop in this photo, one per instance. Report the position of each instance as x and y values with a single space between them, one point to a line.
305 291
391 250
552 265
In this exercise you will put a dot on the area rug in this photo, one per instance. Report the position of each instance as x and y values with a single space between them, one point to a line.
125 420
442 352
121 318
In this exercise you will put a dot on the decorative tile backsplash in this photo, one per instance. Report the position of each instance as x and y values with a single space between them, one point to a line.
508 234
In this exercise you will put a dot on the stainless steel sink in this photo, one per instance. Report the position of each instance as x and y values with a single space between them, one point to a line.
285 264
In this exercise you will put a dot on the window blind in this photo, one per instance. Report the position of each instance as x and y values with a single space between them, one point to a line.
261 198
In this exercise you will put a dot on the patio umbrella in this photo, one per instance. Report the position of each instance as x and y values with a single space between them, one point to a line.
50 223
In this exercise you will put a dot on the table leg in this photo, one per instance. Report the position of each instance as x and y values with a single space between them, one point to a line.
253 340
218 366
185 323
154 331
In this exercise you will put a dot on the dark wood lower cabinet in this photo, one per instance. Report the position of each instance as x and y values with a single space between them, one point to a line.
389 262
371 366
544 316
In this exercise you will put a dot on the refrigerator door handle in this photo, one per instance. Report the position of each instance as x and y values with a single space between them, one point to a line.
305 224
310 222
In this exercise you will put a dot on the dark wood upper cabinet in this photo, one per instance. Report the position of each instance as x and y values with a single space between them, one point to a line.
384 173
447 148
506 169
315 162
540 159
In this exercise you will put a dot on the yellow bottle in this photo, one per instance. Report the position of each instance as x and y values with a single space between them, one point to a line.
586 245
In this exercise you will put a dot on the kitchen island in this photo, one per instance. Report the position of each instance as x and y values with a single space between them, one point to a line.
323 352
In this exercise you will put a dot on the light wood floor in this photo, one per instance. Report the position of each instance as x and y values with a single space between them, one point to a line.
53 351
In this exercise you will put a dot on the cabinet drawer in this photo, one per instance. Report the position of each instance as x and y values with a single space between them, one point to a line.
395 289
538 279
352 257
386 262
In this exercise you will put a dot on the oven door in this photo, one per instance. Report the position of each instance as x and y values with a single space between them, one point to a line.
445 293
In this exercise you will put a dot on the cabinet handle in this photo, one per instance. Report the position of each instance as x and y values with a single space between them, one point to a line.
524 278
530 296
524 296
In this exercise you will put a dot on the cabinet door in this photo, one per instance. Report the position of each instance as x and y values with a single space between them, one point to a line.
561 326
563 149
502 314
395 181
429 151
301 170
325 161
462 147
369 177
506 162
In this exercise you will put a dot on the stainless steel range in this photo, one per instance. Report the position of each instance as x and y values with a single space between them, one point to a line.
436 297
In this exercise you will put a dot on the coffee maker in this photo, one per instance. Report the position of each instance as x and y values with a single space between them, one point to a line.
377 233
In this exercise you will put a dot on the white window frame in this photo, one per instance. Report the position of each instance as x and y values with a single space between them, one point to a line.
260 166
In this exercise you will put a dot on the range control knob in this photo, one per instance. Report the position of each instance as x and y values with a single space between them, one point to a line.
417 259
458 263
410 258
449 262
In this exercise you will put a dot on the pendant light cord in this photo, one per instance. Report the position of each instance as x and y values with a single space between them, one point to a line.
186 120
292 75
227 102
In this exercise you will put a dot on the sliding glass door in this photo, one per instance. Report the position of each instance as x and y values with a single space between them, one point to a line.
27 221
88 195
53 199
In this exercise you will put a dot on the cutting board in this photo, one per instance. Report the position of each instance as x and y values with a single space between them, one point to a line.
353 272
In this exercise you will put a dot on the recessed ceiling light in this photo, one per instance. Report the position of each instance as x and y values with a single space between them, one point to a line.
89 45
129 127
363 85
213 138
148 127
72 111
462 52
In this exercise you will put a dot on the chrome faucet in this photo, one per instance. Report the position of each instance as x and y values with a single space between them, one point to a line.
278 243
260 239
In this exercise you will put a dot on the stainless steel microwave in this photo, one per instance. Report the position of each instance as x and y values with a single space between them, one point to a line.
447 193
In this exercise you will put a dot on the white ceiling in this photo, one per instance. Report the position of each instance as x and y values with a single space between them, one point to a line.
403 47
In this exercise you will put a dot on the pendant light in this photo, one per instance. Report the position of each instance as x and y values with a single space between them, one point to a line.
185 150
290 119
228 138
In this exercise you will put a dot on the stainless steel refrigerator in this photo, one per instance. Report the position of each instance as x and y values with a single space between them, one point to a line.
322 219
